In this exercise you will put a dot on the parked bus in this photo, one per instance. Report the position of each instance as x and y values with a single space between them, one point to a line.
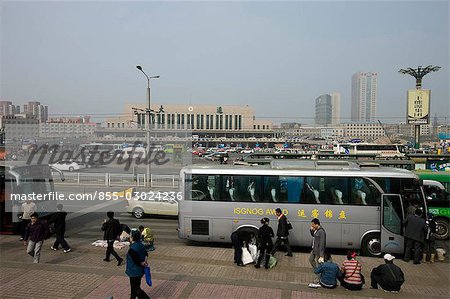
382 150
367 159
99 147
359 207
437 192
16 184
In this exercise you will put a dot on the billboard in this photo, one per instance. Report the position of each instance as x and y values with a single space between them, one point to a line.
418 106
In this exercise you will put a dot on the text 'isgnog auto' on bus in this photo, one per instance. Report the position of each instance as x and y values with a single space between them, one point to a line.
301 213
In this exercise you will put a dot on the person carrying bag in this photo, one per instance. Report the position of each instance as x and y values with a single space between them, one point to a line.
351 268
136 264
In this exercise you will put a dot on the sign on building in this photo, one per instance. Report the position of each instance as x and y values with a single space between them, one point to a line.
418 106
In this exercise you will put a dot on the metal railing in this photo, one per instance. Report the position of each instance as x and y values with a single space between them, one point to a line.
117 179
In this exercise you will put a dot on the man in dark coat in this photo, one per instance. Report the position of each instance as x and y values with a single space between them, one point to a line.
59 221
112 231
35 234
415 230
238 238
389 276
265 235
282 233
319 242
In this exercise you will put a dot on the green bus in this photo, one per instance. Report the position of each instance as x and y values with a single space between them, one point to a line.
437 192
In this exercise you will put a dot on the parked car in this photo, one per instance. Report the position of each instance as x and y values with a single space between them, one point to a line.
152 203
247 151
67 165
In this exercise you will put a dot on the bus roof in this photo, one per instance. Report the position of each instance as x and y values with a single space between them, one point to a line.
440 176
351 169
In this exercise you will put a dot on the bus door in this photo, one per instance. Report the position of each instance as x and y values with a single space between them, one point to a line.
392 216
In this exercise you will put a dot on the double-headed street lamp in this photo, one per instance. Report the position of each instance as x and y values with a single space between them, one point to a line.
149 123
419 73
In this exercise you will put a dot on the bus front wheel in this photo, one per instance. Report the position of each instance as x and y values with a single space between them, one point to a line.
371 245
441 229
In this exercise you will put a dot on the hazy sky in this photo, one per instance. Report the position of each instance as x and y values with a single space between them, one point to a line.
80 57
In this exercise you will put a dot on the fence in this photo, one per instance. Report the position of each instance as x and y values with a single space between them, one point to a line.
117 179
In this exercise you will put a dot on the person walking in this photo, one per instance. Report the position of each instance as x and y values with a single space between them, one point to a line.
389 276
136 261
352 279
238 238
27 208
282 233
35 234
430 240
328 272
112 231
415 230
265 235
59 221
318 244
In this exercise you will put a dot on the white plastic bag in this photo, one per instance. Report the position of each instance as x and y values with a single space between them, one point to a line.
253 252
246 256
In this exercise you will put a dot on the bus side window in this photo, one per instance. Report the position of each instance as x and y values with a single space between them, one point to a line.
311 192
337 190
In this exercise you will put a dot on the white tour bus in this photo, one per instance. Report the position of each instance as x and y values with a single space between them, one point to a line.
359 207
382 150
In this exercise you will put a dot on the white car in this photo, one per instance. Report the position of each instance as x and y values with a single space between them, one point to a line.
153 203
247 151
67 165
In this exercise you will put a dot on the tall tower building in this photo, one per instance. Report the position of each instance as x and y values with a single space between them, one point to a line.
323 110
364 97
37 110
7 108
335 107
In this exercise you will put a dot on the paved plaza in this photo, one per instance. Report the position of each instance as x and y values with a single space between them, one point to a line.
182 270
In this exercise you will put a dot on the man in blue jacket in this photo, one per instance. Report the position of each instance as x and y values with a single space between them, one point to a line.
136 261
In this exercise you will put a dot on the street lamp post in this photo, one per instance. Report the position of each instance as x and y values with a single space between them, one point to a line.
418 73
149 125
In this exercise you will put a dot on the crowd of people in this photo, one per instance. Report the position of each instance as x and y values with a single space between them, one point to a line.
419 236
418 233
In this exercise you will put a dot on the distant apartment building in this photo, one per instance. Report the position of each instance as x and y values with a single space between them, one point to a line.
7 108
37 110
323 110
364 97
335 108
19 126
362 130
67 126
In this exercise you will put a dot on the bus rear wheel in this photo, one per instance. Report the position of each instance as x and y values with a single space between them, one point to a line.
371 245
441 229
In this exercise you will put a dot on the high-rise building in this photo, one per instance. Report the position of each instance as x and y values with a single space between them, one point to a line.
364 97
7 108
323 110
37 110
335 107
